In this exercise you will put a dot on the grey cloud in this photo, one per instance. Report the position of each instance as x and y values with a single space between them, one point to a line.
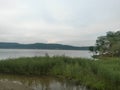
76 22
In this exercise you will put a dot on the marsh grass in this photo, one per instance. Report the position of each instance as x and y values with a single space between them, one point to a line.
103 74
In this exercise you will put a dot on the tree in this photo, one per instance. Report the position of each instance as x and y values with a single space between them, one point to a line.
93 49
109 45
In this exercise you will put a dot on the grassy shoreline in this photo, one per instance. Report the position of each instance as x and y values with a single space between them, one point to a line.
102 74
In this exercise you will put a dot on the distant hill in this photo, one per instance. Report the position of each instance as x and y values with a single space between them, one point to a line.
4 45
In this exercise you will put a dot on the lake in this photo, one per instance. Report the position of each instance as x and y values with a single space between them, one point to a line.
16 53
10 82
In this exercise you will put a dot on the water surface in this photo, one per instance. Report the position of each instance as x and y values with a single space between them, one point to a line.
9 82
36 83
16 53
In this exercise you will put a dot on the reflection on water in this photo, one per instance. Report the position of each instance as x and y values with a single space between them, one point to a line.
43 83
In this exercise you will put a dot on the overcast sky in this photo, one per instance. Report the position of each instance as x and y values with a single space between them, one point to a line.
73 22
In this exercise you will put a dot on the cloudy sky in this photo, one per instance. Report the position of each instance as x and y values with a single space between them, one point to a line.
73 22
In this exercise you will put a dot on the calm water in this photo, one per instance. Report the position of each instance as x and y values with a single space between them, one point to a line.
35 83
16 53
38 83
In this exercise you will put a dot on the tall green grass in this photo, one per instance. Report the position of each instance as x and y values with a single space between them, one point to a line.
103 74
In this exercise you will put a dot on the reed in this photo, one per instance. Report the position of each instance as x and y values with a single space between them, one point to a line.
103 74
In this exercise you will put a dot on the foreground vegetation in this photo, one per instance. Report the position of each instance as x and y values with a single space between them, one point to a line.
98 75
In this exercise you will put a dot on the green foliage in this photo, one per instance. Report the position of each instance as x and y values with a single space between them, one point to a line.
109 45
102 74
